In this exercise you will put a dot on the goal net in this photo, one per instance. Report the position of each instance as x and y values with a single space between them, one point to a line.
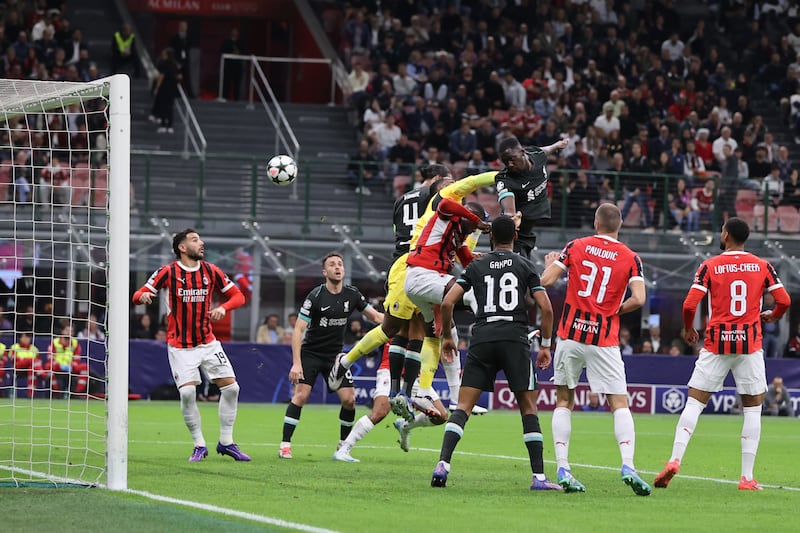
64 241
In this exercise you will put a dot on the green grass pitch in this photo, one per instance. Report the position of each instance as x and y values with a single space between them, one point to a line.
389 490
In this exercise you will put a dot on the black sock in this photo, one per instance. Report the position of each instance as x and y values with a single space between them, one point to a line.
346 418
292 413
396 358
532 435
412 364
452 434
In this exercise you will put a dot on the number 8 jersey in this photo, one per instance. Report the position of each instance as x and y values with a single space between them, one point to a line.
735 282
599 269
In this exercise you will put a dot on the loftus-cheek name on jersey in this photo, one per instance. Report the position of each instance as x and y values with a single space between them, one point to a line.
734 268
325 322
601 253
501 264
192 295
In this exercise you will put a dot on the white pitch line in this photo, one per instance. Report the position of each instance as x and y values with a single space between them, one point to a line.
499 456
231 512
185 503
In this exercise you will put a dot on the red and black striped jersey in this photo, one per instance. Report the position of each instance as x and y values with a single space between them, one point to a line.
443 238
189 293
599 270
735 283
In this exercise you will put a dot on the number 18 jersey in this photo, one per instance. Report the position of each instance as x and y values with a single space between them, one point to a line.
599 270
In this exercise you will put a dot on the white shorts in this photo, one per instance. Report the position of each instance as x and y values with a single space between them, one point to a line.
425 288
748 370
605 370
185 363
382 383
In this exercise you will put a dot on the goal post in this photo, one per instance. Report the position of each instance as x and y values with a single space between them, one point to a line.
64 260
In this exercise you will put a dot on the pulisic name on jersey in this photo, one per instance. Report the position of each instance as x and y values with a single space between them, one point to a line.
601 253
733 268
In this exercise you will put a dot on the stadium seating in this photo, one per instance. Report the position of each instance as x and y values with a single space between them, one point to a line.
401 184
788 219
758 218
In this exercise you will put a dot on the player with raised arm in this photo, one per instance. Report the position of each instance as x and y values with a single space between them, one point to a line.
428 279
600 270
503 281
190 283
400 310
522 187
734 282
318 336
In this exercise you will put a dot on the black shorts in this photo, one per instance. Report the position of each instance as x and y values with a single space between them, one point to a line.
485 360
524 244
314 365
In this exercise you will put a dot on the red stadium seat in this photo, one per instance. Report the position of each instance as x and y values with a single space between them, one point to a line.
788 219
401 184
758 218
5 180
746 196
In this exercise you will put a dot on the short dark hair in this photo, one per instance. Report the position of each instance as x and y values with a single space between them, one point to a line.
431 171
332 254
737 229
509 143
178 239
503 230
477 209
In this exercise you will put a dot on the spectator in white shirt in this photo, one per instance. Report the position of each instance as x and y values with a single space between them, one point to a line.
607 122
385 135
404 85
722 140
514 91
674 47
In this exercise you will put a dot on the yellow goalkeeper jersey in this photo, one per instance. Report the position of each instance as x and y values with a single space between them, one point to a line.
456 191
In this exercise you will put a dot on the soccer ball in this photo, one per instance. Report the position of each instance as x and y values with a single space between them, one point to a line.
282 170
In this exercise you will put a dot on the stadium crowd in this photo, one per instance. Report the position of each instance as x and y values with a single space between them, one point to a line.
640 92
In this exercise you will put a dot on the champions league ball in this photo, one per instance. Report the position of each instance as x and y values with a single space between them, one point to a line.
282 170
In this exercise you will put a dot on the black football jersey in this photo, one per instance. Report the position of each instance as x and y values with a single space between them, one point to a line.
407 210
327 315
529 189
501 280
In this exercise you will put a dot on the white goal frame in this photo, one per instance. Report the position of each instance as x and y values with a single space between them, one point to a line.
18 97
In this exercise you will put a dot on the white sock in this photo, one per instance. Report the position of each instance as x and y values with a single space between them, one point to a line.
562 429
686 426
363 426
452 372
626 435
751 435
191 414
420 421
228 402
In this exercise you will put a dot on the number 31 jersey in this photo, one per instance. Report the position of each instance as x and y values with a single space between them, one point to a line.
599 270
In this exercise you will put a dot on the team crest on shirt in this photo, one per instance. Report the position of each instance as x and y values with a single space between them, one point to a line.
346 306
205 280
